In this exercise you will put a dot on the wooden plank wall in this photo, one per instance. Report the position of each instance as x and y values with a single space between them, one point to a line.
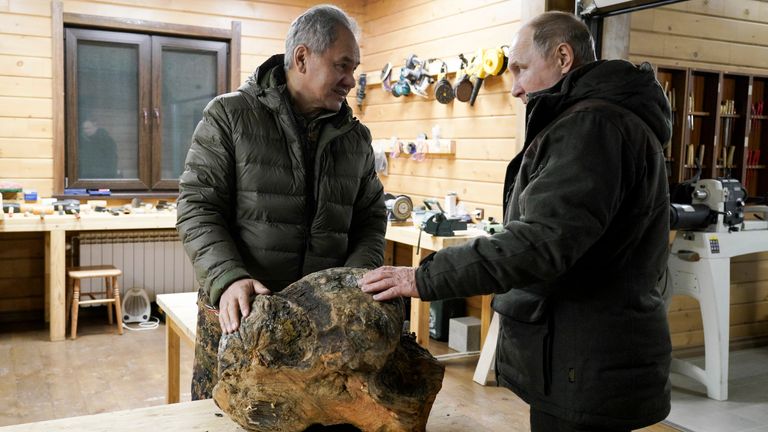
26 153
484 134
26 149
729 35
709 34
26 120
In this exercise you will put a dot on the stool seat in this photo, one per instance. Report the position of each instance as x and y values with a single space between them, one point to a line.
93 271
111 292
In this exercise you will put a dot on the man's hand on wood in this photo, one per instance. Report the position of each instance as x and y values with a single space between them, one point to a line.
236 301
387 282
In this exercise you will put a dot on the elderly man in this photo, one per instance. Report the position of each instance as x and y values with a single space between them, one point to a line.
584 337
279 182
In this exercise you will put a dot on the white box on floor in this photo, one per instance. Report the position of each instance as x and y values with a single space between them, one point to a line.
464 334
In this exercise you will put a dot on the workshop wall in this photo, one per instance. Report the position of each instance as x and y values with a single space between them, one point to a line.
484 134
26 104
722 35
26 98
730 35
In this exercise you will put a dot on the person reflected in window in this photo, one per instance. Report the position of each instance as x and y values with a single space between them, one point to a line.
97 152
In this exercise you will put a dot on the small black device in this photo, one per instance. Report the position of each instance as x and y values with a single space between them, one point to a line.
441 226
443 89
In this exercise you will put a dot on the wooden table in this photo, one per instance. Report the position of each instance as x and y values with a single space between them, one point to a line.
409 235
55 228
201 416
180 322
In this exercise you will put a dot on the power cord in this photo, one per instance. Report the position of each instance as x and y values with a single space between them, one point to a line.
151 324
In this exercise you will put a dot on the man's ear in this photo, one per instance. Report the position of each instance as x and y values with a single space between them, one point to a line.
300 55
564 57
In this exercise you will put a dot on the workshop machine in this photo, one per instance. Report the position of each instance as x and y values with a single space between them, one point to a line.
398 208
714 205
712 229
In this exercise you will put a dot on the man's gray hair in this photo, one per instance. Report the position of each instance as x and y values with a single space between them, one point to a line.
553 28
317 28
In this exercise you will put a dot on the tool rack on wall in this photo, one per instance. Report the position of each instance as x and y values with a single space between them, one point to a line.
717 119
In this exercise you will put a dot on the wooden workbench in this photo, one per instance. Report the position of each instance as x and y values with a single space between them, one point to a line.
55 228
199 416
409 235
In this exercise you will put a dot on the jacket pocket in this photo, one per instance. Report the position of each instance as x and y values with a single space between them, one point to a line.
524 356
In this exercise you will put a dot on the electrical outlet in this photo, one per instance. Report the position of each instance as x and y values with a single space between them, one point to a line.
479 213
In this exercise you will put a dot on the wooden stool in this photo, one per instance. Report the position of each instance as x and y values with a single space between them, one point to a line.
111 293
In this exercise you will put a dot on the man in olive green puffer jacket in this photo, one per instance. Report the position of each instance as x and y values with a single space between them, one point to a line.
279 182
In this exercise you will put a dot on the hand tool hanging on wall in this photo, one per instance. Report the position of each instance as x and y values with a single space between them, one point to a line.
361 82
414 78
488 62
443 90
386 76
418 76
462 89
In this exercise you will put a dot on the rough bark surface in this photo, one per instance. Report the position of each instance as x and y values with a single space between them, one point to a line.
322 352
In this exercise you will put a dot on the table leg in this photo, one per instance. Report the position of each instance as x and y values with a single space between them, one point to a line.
172 361
55 278
420 309
715 301
488 355
485 316
420 321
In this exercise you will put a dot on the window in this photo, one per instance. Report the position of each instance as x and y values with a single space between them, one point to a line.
132 103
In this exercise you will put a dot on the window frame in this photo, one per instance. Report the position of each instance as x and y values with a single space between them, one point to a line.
60 20
143 42
158 43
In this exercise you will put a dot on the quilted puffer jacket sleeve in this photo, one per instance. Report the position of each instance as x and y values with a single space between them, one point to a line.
205 204
369 218
550 240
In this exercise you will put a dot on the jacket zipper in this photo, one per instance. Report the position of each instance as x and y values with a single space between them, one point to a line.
309 215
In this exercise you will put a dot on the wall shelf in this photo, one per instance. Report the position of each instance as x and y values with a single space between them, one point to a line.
434 147
714 119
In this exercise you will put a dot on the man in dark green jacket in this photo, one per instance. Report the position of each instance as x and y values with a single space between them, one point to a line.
583 329
279 182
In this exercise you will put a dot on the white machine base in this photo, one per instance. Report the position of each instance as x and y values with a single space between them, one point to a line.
708 281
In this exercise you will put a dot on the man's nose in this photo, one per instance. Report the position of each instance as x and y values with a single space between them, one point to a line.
349 80
518 92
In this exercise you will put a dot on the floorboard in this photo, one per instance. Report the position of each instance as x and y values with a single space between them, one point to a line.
101 371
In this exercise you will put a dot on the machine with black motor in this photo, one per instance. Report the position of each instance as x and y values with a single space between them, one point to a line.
714 205
398 208
712 229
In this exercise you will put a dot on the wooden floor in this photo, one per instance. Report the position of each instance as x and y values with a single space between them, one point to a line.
102 372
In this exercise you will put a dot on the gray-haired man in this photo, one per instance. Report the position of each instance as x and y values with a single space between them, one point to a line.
584 337
279 182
